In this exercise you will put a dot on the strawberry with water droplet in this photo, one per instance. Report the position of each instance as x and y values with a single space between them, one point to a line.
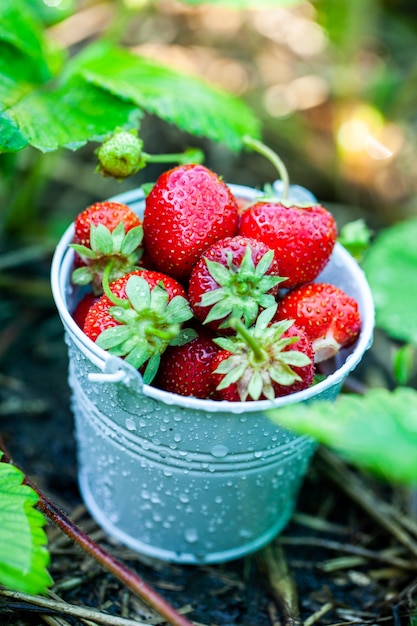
188 209
328 315
302 237
236 277
138 317
186 370
105 232
265 361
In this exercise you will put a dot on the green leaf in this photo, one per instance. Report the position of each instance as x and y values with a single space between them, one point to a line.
178 310
377 431
255 386
11 139
24 36
184 336
184 100
131 240
390 266
355 237
71 115
81 275
151 368
23 553
101 239
112 337
402 363
83 250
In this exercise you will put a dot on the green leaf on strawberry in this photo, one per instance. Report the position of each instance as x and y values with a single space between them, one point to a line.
236 277
148 322
122 249
258 362
243 288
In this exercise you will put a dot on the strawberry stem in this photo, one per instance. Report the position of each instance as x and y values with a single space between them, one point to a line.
276 161
248 338
106 288
189 156
158 332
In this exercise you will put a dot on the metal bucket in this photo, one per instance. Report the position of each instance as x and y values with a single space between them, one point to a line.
178 478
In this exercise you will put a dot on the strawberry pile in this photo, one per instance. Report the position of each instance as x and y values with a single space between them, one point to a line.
209 296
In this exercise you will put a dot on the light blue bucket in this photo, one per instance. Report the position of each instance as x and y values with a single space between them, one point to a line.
178 478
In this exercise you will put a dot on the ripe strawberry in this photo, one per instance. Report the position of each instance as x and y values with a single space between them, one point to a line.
138 317
326 313
80 312
187 210
105 232
264 361
186 369
302 237
235 277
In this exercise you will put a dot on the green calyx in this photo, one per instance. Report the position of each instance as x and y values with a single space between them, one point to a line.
148 322
259 357
122 250
243 289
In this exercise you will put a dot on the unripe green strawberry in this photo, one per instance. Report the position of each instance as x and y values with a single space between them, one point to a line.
121 155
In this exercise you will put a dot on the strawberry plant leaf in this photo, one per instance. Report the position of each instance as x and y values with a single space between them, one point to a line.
23 553
71 115
23 42
377 432
211 112
49 104
11 139
391 268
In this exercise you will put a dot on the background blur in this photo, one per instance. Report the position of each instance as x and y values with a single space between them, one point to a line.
333 82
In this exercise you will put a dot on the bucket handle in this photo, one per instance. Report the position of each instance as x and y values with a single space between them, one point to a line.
115 370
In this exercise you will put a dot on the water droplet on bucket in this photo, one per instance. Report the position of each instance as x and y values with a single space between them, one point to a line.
191 535
130 424
219 450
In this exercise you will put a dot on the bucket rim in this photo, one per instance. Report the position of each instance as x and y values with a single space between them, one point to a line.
60 267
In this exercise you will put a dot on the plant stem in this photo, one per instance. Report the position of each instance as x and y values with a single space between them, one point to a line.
106 288
276 161
248 338
106 560
189 156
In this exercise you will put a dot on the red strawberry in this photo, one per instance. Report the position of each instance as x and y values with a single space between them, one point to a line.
264 361
80 312
138 317
302 237
326 313
235 277
109 214
105 232
186 369
187 210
